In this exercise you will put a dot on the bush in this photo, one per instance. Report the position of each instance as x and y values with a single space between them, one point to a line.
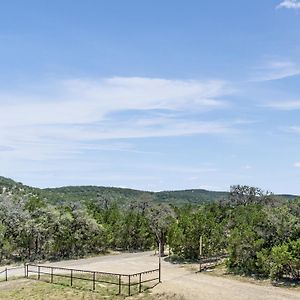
285 260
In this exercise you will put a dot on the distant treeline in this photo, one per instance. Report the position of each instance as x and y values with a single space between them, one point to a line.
122 196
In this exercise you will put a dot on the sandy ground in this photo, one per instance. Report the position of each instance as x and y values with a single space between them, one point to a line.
179 280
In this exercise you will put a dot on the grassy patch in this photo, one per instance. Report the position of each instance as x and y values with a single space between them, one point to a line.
95 281
105 285
37 290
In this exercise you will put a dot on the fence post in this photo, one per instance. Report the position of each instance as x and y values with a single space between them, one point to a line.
140 283
52 275
94 279
39 272
200 253
129 285
5 274
159 270
120 282
71 277
27 270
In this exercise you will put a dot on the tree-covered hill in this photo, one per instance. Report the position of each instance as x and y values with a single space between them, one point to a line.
121 196
9 185
195 196
84 193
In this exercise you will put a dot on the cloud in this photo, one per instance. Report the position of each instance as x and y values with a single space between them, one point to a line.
294 129
289 4
247 167
284 105
275 70
297 165
62 119
85 101
5 148
181 169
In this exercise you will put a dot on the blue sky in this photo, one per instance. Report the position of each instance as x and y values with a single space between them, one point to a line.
154 95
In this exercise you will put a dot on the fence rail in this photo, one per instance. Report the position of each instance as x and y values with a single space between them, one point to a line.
121 283
8 272
4 272
210 262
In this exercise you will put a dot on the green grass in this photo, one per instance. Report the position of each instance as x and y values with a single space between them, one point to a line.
37 290
28 289
105 284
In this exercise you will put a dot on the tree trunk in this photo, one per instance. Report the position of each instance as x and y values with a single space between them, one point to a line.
161 248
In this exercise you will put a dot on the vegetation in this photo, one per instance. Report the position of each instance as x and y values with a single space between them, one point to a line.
259 232
28 289
31 229
122 196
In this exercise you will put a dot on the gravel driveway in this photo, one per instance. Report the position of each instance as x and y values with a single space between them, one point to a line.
179 280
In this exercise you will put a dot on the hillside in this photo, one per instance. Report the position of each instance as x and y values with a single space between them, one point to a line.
118 195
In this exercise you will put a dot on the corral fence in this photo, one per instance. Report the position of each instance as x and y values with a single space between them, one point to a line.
126 284
11 272
211 262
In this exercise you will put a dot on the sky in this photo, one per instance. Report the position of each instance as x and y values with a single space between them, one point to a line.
150 94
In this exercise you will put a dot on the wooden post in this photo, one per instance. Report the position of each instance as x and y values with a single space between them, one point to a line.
27 270
71 277
200 252
51 275
39 272
94 281
5 274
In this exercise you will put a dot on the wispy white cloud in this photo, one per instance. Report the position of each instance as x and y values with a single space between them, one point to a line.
284 105
294 129
290 4
86 101
275 70
181 169
297 165
247 167
61 117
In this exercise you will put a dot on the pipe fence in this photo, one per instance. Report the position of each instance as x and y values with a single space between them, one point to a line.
211 262
11 272
126 284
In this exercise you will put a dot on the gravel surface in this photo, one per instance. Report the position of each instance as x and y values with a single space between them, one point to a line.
177 279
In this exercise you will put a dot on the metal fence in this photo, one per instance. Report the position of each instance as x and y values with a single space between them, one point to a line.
127 284
11 272
4 273
211 262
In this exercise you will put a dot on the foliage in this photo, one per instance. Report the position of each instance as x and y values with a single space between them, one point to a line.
260 233
185 232
31 229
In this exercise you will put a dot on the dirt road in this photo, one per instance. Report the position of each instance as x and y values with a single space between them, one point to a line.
176 279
